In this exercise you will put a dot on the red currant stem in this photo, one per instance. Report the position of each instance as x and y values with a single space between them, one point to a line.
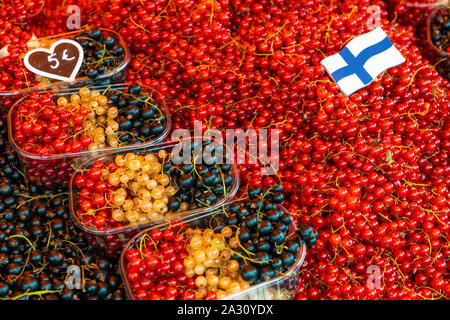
164 10
327 33
353 278
140 244
434 214
91 212
398 267
319 211
441 295
276 33
26 78
78 170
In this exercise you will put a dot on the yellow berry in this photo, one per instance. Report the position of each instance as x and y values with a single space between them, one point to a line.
62 101
220 294
114 179
170 191
150 157
128 204
212 252
151 184
189 262
132 216
199 256
102 100
134 165
118 215
233 265
227 232
142 179
85 92
199 269
224 283
212 280
234 287
75 99
157 193
201 282
94 95
113 112
163 179
146 206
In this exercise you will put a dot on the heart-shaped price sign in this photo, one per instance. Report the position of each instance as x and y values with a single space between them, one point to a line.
61 62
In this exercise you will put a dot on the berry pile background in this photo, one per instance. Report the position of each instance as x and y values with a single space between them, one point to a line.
370 172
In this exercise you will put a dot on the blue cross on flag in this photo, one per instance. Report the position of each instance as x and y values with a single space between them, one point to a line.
362 60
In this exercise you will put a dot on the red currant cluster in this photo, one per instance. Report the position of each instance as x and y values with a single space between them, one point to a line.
21 10
44 128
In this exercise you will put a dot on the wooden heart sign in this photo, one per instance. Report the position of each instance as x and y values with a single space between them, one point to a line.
61 62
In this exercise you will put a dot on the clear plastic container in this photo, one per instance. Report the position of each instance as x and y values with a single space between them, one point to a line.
441 57
116 75
413 12
283 287
112 241
58 168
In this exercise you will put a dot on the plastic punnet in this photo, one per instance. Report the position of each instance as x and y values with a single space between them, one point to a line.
40 169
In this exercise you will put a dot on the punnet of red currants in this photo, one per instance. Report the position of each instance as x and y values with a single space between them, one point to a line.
357 203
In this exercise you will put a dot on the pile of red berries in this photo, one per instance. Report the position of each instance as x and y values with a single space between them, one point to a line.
369 172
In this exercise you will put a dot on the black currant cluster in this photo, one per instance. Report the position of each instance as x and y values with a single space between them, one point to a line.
102 53
440 29
38 242
200 183
268 248
140 118
440 36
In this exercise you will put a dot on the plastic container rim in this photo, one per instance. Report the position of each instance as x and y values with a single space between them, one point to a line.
430 41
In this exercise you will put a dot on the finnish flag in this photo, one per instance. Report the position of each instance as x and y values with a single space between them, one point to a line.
362 60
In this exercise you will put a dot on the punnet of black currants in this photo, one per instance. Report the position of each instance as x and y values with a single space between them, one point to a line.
42 254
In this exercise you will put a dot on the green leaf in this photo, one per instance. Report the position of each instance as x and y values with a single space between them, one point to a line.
375 143
389 157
